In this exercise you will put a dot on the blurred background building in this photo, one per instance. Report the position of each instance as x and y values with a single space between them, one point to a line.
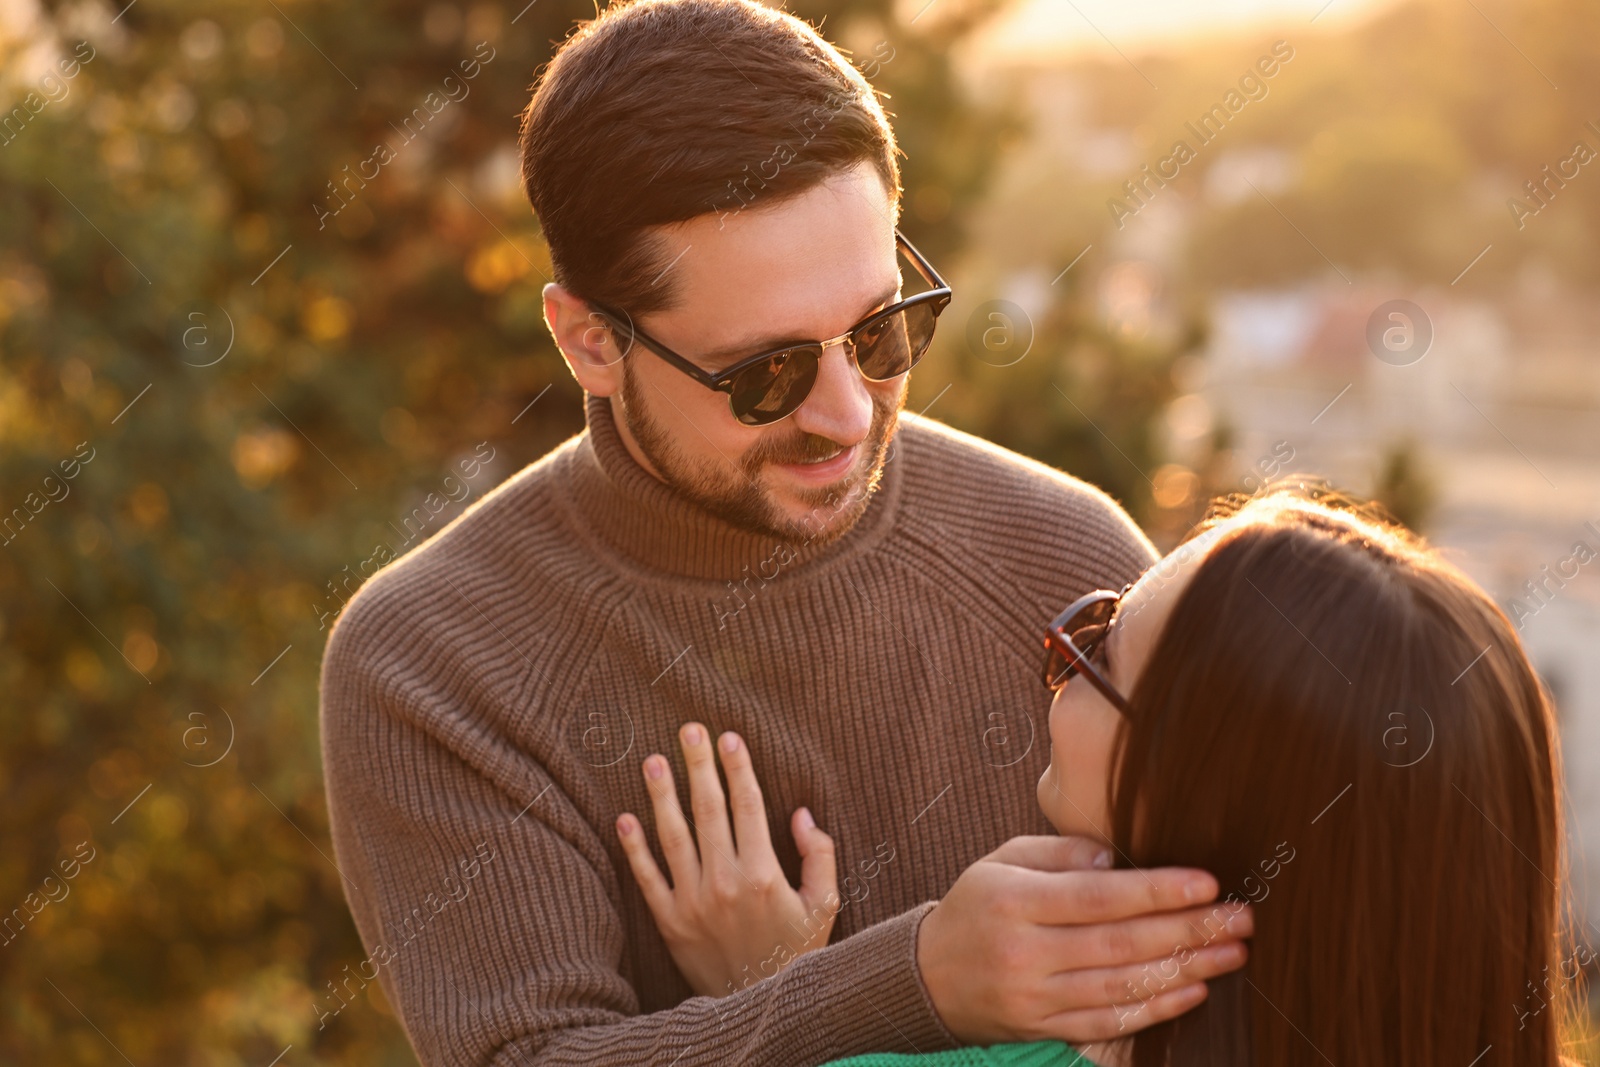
1367 169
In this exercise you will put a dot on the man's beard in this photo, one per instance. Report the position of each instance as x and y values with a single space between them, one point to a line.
735 496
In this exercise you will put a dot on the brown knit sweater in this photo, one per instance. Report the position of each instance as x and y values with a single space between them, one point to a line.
487 701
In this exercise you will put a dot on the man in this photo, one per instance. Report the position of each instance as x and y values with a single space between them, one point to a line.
857 594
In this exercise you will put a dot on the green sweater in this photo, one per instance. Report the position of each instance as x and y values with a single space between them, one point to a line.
1032 1054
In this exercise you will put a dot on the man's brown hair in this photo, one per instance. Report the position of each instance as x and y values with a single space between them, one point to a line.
659 111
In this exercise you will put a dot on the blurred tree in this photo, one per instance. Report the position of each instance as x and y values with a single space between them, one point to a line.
267 345
1399 158
1404 487
1077 384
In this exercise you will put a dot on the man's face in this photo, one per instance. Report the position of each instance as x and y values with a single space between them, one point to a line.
807 268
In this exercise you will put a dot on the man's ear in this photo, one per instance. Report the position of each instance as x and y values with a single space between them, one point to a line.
586 342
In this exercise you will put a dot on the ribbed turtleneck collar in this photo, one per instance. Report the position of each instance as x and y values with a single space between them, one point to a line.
646 520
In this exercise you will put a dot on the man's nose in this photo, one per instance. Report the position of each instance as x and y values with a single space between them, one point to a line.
840 405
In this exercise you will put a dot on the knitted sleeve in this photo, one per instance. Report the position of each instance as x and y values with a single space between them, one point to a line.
527 971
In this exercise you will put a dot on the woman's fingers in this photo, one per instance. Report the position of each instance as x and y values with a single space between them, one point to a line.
819 871
677 844
729 901
706 800
744 797
657 893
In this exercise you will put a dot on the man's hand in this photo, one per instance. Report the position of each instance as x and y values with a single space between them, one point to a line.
730 916
1037 940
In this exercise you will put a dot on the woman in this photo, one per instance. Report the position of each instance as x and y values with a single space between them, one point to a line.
1341 726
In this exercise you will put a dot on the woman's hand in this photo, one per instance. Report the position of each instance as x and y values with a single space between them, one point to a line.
730 917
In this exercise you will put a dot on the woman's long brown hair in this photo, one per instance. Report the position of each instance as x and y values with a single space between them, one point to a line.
1345 729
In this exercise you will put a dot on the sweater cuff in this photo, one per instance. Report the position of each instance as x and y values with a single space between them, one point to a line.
944 1039
879 965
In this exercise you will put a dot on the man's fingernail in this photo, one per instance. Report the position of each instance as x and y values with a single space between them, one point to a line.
1196 890
1102 860
730 742
806 821
652 767
624 827
1241 923
691 735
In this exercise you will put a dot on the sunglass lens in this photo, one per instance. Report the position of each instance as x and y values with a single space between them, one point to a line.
775 387
1091 639
893 344
1056 669
1086 630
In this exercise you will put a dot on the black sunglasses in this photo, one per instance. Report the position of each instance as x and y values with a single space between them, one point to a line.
771 385
1074 644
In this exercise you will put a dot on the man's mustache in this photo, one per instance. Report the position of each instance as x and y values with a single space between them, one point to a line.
811 448
814 447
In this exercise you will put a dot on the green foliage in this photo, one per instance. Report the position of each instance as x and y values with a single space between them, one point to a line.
1085 397
1404 488
269 390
